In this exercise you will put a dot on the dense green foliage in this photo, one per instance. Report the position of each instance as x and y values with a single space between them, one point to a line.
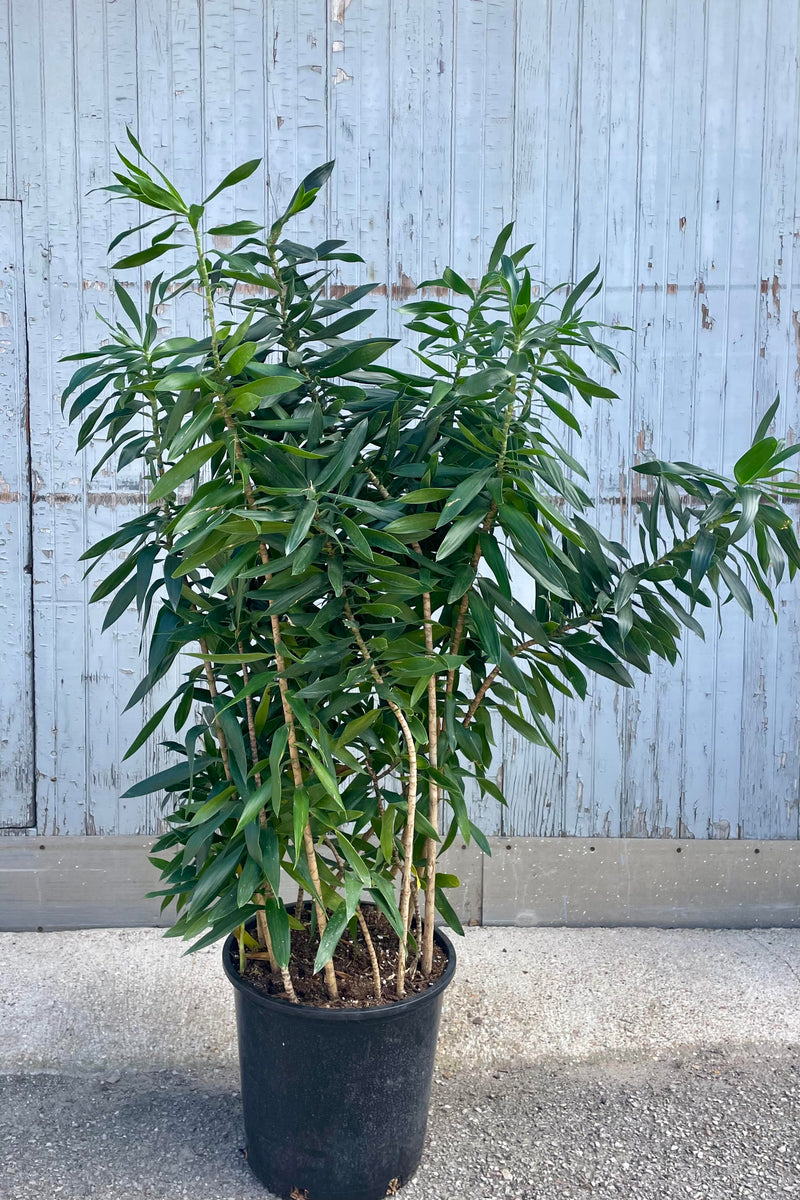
327 549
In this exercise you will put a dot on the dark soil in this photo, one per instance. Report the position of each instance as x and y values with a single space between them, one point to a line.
351 962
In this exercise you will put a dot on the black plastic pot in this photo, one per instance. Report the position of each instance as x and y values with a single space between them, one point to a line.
335 1100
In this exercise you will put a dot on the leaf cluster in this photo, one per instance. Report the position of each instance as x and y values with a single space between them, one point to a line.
327 546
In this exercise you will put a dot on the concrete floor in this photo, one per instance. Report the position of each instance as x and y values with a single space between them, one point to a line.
118 998
636 1063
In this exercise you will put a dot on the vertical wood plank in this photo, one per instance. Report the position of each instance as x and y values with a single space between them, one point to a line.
437 120
607 157
482 199
770 748
106 103
7 129
297 88
406 164
45 104
711 770
16 652
662 419
358 80
545 147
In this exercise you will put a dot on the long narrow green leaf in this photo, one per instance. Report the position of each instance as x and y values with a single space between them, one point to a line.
188 466
464 494
299 819
237 175
702 554
457 534
301 525
279 931
330 938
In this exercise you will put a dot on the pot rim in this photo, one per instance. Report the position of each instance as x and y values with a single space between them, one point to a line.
313 1012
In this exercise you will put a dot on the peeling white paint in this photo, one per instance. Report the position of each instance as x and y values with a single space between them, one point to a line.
338 9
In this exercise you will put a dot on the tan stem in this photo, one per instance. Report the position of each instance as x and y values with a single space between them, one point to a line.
376 784
212 687
418 931
575 623
261 916
330 978
297 777
489 680
251 719
377 484
373 958
288 717
431 845
408 836
263 932
478 698
458 629
288 986
298 904
486 527
266 938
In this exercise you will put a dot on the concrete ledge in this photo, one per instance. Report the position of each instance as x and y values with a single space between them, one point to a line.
50 883
76 883
97 882
639 881
110 999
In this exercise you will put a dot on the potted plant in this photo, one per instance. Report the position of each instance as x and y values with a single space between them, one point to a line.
326 552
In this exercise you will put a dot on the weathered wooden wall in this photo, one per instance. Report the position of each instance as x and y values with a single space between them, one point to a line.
16 692
658 136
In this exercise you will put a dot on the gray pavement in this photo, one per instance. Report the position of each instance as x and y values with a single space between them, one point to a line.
607 1063
718 1125
131 998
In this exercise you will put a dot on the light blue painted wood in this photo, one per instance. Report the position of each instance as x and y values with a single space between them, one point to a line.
664 80
771 750
660 138
45 182
16 696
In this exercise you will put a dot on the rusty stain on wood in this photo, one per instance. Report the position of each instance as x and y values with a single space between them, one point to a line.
776 296
118 499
